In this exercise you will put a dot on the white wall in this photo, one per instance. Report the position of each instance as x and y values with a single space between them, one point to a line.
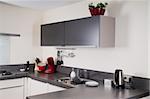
131 51
148 37
25 22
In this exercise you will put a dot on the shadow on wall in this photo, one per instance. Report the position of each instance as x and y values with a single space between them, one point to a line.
115 9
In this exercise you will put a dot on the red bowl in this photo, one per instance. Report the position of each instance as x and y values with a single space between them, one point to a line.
41 68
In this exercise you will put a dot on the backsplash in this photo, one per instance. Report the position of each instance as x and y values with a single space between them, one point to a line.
16 67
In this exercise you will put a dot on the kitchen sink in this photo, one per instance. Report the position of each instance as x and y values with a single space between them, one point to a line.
69 82
66 81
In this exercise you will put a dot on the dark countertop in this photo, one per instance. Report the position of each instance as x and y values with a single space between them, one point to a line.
83 92
80 92
50 78
47 78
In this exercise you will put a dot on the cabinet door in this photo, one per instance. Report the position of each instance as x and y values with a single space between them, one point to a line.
52 34
52 88
82 32
12 89
36 87
12 93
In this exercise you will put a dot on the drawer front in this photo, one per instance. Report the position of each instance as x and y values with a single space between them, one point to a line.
11 83
12 93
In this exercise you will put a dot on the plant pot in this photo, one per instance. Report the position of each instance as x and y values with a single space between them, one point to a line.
93 11
102 11
96 11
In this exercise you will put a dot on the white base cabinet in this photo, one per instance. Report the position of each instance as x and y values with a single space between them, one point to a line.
23 87
12 93
12 89
37 87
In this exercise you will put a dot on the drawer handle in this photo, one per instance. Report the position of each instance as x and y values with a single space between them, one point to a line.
9 87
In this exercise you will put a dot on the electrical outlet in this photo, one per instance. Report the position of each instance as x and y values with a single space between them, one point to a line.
127 78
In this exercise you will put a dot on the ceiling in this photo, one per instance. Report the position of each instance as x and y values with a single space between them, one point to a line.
40 4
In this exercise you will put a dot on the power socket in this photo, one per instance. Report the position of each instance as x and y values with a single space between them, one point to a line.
127 78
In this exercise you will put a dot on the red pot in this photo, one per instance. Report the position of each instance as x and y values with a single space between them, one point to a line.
102 11
96 11
93 11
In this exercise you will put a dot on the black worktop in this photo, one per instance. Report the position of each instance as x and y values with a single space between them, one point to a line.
50 78
78 92
84 92
46 78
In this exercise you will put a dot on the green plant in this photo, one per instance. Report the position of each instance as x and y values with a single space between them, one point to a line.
99 5
102 5
91 5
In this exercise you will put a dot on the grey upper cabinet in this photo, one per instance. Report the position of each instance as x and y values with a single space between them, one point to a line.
52 34
82 32
106 31
97 31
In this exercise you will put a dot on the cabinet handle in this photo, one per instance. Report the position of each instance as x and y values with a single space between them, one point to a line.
9 87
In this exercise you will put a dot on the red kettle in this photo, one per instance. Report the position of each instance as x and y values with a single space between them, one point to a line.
51 67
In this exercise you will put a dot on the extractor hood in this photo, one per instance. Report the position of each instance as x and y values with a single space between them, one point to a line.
9 34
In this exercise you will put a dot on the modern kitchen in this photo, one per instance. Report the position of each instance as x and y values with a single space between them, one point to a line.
74 49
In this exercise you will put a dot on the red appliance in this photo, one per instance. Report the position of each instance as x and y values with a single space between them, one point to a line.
51 67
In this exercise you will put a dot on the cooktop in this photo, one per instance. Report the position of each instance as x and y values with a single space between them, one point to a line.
4 73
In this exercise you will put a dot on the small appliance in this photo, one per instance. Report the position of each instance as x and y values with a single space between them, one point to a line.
50 65
5 73
118 79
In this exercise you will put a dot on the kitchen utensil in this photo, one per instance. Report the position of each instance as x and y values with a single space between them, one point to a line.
72 74
22 69
118 78
27 66
37 61
59 58
91 84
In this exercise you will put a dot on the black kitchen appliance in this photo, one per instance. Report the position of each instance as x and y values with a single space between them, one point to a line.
119 79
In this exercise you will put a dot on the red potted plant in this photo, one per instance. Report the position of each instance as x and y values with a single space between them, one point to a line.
99 9
92 9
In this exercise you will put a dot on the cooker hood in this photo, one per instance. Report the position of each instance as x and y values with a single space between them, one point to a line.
10 34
